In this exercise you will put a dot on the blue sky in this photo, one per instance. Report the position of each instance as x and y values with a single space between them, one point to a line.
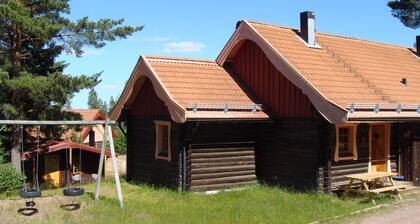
201 28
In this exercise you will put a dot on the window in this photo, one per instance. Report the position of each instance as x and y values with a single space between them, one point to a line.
163 140
345 142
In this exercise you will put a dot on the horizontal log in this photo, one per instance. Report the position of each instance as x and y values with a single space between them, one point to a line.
222 169
350 166
221 164
223 180
220 186
223 159
222 149
349 171
223 174
221 154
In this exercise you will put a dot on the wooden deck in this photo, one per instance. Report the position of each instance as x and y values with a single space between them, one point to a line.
406 185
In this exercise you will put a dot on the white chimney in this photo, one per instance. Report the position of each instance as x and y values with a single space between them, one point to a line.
307 27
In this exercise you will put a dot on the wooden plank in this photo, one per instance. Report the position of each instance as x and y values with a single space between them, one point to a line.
222 180
224 149
349 166
370 176
386 189
220 186
221 154
221 164
223 174
223 159
222 169
349 171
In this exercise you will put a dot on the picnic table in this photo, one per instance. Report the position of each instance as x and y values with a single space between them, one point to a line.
372 183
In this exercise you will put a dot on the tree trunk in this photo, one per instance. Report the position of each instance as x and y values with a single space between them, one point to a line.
16 56
16 150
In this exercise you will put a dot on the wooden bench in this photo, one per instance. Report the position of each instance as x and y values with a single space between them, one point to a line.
386 189
373 180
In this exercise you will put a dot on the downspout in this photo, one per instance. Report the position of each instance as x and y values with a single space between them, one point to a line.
122 129
187 139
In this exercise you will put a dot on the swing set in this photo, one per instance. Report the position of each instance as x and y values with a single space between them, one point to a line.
29 193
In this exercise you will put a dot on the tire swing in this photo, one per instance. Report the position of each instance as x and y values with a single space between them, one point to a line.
70 190
25 192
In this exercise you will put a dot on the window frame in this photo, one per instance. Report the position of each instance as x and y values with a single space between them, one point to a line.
352 142
158 125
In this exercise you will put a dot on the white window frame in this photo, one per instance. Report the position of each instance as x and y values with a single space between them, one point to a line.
352 142
158 125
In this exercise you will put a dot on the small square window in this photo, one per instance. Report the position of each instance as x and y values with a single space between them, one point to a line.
345 142
163 140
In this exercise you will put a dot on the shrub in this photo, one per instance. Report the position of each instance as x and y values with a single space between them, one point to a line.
10 180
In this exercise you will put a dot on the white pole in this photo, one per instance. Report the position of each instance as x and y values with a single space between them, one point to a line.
101 163
114 166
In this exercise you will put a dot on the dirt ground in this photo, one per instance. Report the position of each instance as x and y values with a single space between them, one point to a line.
407 213
46 206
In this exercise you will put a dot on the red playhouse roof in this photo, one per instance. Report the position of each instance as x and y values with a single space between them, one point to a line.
53 146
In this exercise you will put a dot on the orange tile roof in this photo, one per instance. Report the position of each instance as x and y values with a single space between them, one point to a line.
186 83
196 81
89 114
348 70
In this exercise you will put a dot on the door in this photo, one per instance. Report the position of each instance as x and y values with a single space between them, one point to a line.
379 151
52 171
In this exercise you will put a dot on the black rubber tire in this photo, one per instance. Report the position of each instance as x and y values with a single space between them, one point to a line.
30 193
73 191
30 204
27 211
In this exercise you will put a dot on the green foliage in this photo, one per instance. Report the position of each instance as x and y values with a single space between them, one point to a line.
120 141
33 34
96 103
4 144
10 180
408 11
74 137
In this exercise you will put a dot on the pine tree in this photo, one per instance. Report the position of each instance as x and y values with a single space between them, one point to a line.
408 11
94 102
32 82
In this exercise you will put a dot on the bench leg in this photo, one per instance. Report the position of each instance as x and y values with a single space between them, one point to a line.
347 188
396 190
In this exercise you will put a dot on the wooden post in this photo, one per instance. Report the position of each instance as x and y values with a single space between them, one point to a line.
115 167
108 137
71 160
101 163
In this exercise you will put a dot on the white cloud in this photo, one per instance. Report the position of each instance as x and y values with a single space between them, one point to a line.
93 52
108 86
156 39
183 46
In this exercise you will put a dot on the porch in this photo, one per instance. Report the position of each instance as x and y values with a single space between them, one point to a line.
371 147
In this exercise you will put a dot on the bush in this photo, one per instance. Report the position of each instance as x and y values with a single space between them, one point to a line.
10 180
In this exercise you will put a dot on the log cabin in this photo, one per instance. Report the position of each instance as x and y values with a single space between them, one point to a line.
285 106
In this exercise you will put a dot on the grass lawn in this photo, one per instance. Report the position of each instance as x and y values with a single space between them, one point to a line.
145 204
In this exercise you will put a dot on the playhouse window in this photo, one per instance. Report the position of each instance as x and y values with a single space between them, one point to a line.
163 140
345 142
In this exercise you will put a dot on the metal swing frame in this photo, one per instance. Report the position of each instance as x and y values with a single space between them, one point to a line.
107 137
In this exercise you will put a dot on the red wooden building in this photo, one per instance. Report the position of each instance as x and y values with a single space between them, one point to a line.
294 107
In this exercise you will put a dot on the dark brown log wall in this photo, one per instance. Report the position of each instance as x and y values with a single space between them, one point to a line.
141 163
214 167
221 154
288 153
268 84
